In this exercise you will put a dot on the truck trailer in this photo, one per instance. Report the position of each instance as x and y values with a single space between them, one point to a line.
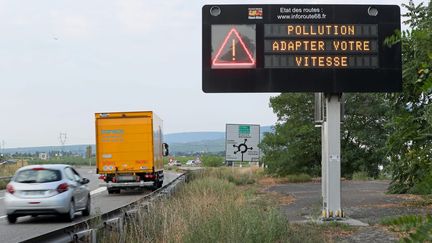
129 150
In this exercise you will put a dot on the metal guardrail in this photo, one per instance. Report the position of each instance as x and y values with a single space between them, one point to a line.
86 231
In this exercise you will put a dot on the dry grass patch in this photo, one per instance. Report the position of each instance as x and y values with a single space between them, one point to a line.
9 170
217 205
280 198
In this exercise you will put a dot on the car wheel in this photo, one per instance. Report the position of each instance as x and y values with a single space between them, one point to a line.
11 218
69 216
86 211
112 191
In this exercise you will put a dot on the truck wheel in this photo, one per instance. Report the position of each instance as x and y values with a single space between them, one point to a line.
157 184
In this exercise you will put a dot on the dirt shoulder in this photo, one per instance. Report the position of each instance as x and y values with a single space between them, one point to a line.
366 201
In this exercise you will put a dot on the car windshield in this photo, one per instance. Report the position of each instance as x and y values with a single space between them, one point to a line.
37 176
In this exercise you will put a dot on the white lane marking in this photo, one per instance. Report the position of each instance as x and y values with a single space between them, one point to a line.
99 190
1 217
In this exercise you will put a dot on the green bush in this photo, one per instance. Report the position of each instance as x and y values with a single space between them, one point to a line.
424 186
212 161
417 227
360 176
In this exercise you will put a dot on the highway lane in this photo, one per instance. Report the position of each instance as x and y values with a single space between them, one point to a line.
28 227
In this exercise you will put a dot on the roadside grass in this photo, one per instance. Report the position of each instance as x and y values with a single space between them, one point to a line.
212 161
270 180
218 205
9 170
411 228
297 178
360 176
3 184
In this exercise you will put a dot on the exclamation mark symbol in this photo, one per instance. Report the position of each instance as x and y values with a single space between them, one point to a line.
233 50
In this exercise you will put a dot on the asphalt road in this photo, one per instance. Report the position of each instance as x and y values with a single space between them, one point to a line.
28 227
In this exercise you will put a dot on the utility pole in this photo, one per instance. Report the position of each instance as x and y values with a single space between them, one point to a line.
62 139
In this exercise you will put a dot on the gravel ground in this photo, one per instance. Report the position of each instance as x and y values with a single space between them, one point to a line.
361 200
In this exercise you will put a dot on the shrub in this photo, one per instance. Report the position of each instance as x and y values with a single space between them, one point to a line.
416 228
360 176
212 161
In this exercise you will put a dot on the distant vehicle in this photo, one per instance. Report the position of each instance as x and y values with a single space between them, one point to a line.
47 189
190 162
177 163
129 150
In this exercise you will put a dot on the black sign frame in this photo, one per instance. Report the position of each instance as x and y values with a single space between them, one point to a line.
386 78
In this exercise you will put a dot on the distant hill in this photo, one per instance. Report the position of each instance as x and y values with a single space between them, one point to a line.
188 137
77 149
187 142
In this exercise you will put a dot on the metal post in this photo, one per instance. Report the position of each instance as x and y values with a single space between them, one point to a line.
323 165
319 122
331 157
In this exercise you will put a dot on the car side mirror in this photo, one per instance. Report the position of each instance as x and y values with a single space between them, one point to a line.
84 181
165 149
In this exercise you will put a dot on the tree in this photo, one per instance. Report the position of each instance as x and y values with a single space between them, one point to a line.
364 133
409 146
294 146
89 152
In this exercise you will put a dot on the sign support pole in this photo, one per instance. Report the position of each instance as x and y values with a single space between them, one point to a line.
323 164
331 161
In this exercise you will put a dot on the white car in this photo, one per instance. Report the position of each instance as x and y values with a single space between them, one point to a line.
47 189
190 162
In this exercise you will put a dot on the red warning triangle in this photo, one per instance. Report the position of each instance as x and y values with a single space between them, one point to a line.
233 53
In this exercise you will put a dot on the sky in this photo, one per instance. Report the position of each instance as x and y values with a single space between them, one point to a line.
63 60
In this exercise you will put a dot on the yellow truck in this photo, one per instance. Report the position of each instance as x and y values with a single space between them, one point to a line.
129 150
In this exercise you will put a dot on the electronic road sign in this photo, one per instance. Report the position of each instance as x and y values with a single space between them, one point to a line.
300 48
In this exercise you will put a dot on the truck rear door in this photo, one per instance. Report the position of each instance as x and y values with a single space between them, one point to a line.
125 144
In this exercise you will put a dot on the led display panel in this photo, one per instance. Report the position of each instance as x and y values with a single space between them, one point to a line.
300 48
